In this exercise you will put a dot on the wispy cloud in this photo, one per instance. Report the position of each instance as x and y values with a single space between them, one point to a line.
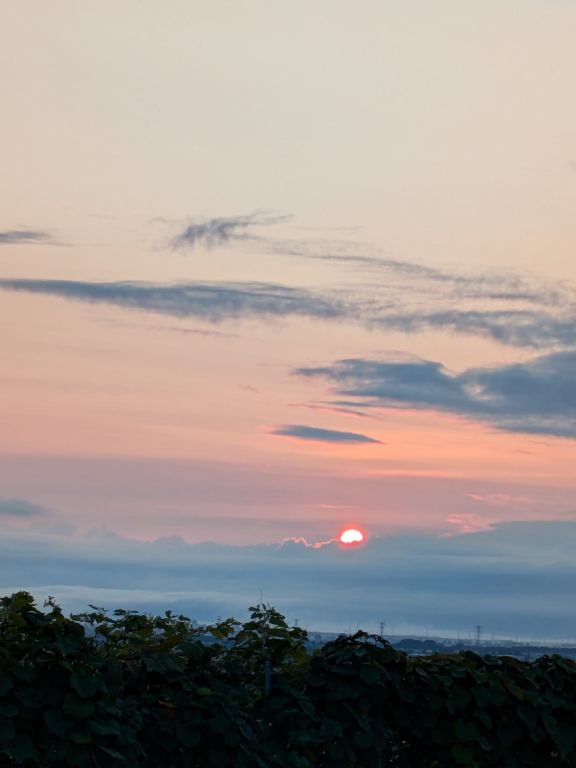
194 332
183 330
219 301
332 408
23 237
495 285
488 285
315 434
536 397
523 311
302 541
223 230
213 302
20 508
513 327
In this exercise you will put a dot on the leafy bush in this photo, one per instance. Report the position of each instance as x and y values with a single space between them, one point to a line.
125 690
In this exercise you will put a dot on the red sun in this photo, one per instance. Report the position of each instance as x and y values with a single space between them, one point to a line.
351 536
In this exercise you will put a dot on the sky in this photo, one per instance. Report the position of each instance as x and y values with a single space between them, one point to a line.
269 270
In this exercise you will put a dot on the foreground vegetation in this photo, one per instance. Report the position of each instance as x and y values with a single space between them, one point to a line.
124 690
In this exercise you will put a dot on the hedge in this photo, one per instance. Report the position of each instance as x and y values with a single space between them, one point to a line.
126 690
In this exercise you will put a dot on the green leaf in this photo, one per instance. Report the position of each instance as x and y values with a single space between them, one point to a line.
460 697
86 687
218 758
462 755
517 692
23 750
112 753
370 675
58 723
465 731
26 673
81 737
509 734
483 695
8 710
162 663
5 684
106 728
530 716
68 645
484 717
77 707
193 651
188 737
7 731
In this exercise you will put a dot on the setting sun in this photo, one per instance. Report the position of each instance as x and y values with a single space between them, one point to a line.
352 536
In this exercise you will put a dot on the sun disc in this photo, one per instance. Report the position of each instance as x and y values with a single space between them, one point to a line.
352 536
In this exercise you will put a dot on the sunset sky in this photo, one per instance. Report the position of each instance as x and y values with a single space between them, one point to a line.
270 269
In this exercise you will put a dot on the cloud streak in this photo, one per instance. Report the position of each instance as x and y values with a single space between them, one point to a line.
301 432
213 302
523 311
517 328
505 286
210 233
23 237
217 302
536 397
20 508
301 540
493 286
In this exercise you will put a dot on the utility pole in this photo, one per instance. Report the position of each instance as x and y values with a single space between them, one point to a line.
382 625
478 634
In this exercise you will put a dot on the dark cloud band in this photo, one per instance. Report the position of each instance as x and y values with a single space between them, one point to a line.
536 397
218 301
315 434
23 237
213 302
20 508
519 577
